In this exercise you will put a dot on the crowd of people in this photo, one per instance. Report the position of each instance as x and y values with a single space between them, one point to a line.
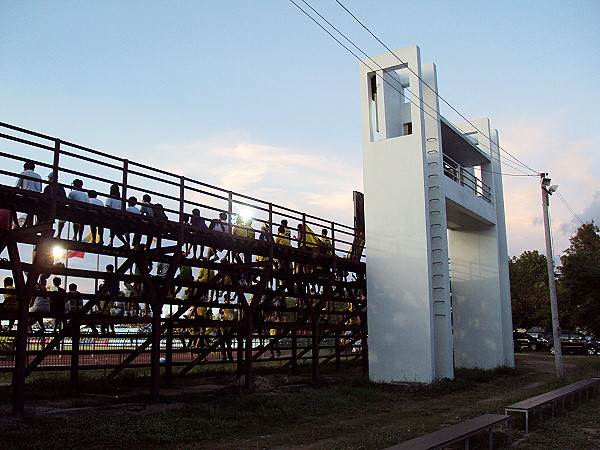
123 299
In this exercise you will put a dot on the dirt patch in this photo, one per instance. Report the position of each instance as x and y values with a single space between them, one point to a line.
261 384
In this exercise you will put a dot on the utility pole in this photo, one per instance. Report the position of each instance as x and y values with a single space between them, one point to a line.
547 191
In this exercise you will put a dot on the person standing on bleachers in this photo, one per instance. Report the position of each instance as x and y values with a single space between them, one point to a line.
132 208
29 180
114 201
60 193
78 194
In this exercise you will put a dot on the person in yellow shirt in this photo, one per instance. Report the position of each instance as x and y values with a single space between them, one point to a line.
326 244
205 275
283 238
273 341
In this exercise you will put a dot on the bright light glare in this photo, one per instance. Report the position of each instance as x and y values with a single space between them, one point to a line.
58 252
245 214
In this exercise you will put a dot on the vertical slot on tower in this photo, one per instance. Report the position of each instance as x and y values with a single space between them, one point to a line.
373 109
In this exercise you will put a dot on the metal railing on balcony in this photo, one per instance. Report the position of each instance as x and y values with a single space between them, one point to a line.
464 177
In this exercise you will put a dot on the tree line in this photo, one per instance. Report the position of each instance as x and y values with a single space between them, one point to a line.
578 285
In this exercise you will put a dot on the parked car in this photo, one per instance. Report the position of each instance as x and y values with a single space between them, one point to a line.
571 342
536 332
593 345
524 341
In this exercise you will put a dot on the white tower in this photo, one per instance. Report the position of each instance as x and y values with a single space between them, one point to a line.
433 205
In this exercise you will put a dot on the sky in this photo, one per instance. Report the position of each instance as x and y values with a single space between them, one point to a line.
254 97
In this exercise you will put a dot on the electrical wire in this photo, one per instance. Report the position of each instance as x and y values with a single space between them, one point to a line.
509 174
439 96
562 199
358 57
506 162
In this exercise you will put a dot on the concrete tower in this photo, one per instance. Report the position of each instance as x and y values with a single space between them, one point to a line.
433 206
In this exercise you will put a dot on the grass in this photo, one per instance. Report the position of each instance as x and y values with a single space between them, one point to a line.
345 411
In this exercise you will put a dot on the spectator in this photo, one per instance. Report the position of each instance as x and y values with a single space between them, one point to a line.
221 226
159 213
10 303
265 233
58 304
225 313
106 304
283 238
196 221
239 229
60 193
97 232
274 341
185 276
78 194
29 180
114 201
40 304
325 242
264 236
75 301
147 209
132 208
287 231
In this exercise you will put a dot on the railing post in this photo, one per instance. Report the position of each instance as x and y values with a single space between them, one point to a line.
294 363
337 350
333 267
124 191
75 354
181 209
169 356
229 211
54 185
302 242
248 366
271 233
316 373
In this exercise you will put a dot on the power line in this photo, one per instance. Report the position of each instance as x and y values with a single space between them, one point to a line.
356 56
509 174
562 199
435 92
506 162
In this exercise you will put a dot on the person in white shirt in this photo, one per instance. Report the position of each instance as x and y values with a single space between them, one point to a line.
78 194
26 183
31 183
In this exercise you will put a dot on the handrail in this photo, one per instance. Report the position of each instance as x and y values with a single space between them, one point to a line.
460 175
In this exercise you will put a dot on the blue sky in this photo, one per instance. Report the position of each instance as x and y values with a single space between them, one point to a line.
254 97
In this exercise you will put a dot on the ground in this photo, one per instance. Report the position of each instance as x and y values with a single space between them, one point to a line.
344 411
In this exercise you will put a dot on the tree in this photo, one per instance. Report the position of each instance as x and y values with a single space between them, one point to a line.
579 293
529 290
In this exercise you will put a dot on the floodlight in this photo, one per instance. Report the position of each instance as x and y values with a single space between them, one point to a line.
58 252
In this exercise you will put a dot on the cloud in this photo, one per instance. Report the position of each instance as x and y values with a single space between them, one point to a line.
589 213
296 178
544 144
